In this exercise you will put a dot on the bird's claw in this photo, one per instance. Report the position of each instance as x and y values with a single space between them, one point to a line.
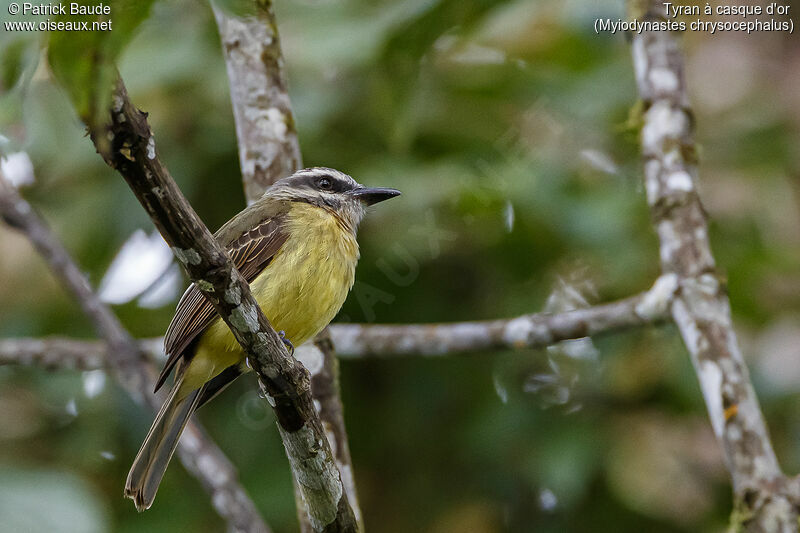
286 342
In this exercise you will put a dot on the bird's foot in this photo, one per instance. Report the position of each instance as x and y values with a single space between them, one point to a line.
286 342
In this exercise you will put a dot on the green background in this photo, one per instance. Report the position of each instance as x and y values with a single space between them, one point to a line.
511 129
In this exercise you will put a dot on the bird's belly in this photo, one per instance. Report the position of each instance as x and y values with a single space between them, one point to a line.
300 292
305 290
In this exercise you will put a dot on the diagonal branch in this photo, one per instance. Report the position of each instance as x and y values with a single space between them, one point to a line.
701 308
124 358
133 154
269 150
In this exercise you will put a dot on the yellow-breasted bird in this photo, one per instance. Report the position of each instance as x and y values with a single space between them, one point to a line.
297 248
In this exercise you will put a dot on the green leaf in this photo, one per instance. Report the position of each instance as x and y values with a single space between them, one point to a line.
17 57
82 49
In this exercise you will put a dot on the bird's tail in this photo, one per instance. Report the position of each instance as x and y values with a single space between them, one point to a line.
159 445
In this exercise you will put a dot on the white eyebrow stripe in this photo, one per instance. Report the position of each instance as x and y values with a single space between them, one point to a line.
329 172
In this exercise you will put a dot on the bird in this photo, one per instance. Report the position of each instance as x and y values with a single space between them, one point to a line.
296 246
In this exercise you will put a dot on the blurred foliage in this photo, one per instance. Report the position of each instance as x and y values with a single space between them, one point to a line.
84 61
506 125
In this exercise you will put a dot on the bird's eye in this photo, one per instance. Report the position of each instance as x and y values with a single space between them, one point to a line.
324 184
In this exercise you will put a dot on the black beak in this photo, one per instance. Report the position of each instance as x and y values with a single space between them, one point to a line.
373 195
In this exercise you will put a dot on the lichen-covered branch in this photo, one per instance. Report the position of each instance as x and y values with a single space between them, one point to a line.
56 353
325 385
125 360
265 128
361 341
132 152
19 214
701 308
269 150
528 331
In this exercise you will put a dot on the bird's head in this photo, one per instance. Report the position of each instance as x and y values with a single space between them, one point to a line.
333 190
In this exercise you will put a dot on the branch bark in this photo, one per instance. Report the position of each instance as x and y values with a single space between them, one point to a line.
765 500
57 353
132 152
125 360
325 385
269 150
535 330
360 341
265 127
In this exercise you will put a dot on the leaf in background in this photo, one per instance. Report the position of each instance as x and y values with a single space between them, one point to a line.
17 56
83 61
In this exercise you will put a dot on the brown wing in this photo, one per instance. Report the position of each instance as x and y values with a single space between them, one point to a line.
251 253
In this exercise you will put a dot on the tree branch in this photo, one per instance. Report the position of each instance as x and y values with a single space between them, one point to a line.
265 128
360 341
55 353
325 385
125 359
528 331
133 154
269 150
701 308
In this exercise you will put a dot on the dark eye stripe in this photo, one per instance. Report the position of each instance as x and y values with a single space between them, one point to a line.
336 184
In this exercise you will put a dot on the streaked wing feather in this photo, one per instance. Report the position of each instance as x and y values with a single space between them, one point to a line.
251 253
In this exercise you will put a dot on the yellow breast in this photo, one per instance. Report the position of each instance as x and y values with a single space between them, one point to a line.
307 282
300 291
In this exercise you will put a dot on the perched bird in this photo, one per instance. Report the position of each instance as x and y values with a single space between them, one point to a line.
297 248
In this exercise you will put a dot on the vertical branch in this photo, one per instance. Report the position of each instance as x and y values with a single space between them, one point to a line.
128 364
325 385
701 308
265 128
269 150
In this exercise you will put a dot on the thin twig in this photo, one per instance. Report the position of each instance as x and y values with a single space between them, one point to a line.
701 308
126 361
133 154
269 150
